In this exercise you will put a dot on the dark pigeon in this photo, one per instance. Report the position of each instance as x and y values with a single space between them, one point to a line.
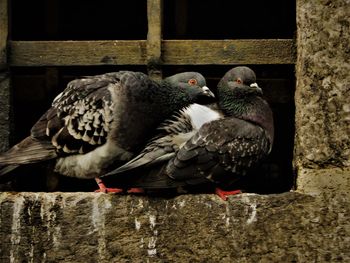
208 145
102 120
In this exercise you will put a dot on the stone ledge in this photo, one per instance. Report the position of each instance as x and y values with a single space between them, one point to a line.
90 227
316 181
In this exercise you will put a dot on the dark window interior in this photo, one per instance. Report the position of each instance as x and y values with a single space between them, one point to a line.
78 20
34 88
224 19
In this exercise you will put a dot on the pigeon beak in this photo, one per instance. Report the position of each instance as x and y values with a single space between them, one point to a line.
255 85
208 92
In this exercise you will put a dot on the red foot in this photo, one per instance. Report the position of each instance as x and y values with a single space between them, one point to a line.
136 191
104 189
223 194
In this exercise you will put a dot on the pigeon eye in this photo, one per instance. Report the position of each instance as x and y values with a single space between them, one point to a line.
239 81
192 82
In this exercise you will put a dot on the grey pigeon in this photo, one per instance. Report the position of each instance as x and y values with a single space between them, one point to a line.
102 120
208 145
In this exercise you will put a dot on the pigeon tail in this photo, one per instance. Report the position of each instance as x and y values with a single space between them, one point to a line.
27 151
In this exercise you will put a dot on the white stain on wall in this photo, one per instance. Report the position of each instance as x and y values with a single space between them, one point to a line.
16 228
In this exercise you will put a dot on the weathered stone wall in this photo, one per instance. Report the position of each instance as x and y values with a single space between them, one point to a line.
289 227
322 94
89 227
4 80
4 110
323 83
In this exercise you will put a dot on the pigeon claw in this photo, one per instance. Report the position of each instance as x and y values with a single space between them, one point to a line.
109 190
104 189
136 191
223 194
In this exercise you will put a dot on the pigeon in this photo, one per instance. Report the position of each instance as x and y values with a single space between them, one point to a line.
102 121
214 145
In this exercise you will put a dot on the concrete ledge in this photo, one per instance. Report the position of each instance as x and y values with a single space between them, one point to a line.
89 227
316 181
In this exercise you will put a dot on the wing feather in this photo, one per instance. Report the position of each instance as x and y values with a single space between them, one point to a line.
174 133
80 117
28 151
78 121
230 145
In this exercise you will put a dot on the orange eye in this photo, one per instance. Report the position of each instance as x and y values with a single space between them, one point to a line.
239 81
192 82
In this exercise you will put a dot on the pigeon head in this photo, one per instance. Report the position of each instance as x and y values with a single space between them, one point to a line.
240 79
192 84
237 90
241 75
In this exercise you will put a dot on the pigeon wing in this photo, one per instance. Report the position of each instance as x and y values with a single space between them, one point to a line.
78 121
220 148
173 133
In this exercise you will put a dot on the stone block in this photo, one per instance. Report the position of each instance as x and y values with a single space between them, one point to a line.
91 227
323 84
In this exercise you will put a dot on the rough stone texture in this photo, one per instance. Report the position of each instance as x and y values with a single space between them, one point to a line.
289 227
4 110
323 84
89 227
4 78
316 181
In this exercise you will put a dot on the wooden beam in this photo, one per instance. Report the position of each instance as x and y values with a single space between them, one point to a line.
228 52
77 53
51 28
175 52
154 38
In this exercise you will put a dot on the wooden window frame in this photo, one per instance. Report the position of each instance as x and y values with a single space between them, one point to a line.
153 52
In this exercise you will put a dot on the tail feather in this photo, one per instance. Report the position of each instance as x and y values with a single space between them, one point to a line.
30 150
7 168
143 160
149 178
157 178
